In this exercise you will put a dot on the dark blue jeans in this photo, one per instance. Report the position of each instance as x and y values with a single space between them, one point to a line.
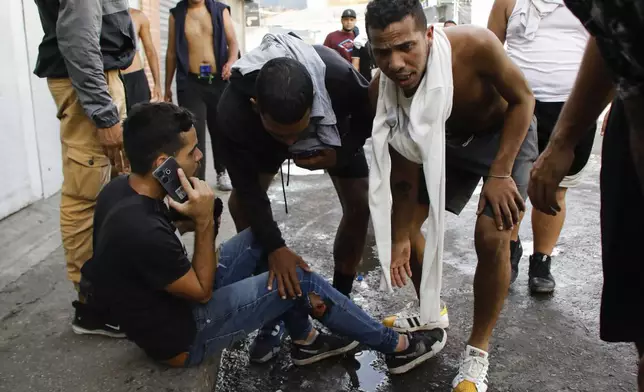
241 304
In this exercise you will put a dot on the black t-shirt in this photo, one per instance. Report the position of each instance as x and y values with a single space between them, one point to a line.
136 255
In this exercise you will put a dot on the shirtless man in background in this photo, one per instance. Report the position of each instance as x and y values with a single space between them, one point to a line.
202 47
489 135
137 88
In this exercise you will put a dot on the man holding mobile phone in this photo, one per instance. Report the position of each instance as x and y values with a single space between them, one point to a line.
182 312
262 114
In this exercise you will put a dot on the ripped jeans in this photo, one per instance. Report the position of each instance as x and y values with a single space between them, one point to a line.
241 304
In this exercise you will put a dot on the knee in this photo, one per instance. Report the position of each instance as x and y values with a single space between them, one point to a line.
356 210
318 306
310 282
490 242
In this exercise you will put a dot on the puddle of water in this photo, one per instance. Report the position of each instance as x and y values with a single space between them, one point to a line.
370 374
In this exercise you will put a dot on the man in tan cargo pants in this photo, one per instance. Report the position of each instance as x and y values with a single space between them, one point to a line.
85 44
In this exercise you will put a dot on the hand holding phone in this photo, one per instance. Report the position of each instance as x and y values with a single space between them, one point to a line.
201 199
167 175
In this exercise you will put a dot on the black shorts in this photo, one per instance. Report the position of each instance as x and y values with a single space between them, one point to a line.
468 162
137 89
622 229
547 114
356 166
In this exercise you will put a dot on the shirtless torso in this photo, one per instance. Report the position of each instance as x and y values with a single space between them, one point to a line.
137 19
199 35
144 38
479 73
478 107
492 110
490 93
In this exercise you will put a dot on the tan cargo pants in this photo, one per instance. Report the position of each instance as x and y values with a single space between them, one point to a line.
86 169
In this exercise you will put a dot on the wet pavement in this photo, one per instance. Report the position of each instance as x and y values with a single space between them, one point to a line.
540 343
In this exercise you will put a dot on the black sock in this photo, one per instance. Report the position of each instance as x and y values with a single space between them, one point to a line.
343 283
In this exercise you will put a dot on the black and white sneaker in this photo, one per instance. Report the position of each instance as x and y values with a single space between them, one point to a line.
324 346
540 280
422 346
88 322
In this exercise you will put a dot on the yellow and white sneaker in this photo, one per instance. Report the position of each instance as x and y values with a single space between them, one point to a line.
472 375
404 323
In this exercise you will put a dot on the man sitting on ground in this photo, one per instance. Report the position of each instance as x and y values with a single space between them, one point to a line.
181 312
486 136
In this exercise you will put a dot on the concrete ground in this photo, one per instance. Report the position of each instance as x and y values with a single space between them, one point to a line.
540 344
38 350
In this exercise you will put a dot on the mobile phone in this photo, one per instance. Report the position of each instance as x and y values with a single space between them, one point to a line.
306 154
167 176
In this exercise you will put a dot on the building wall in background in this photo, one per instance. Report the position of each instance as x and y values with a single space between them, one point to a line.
481 11
29 129
24 125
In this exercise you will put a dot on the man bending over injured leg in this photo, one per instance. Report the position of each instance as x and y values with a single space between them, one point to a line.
489 135
182 312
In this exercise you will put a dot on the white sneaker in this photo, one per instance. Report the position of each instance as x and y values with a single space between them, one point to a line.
223 182
404 323
472 375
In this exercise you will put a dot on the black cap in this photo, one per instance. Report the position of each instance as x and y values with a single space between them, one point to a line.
348 13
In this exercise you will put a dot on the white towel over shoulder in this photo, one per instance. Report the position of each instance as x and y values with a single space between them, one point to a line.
421 140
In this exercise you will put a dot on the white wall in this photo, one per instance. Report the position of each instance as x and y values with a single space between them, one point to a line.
21 177
481 11
237 13
47 125
30 146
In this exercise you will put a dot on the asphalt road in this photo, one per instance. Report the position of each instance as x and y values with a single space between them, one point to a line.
540 343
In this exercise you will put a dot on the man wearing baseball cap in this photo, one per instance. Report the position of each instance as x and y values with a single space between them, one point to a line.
342 40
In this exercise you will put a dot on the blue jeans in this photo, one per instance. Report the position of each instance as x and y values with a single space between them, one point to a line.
241 303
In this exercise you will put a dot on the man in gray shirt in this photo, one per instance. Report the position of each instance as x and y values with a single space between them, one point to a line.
85 43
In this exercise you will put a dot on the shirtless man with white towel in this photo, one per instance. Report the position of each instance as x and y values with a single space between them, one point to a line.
488 133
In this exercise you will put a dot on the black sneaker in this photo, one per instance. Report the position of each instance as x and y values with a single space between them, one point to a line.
540 279
324 346
422 346
267 344
89 322
516 252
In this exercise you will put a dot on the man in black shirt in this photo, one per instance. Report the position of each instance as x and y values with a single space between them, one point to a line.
181 312
261 115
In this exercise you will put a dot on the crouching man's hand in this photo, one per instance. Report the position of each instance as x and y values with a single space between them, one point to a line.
200 204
